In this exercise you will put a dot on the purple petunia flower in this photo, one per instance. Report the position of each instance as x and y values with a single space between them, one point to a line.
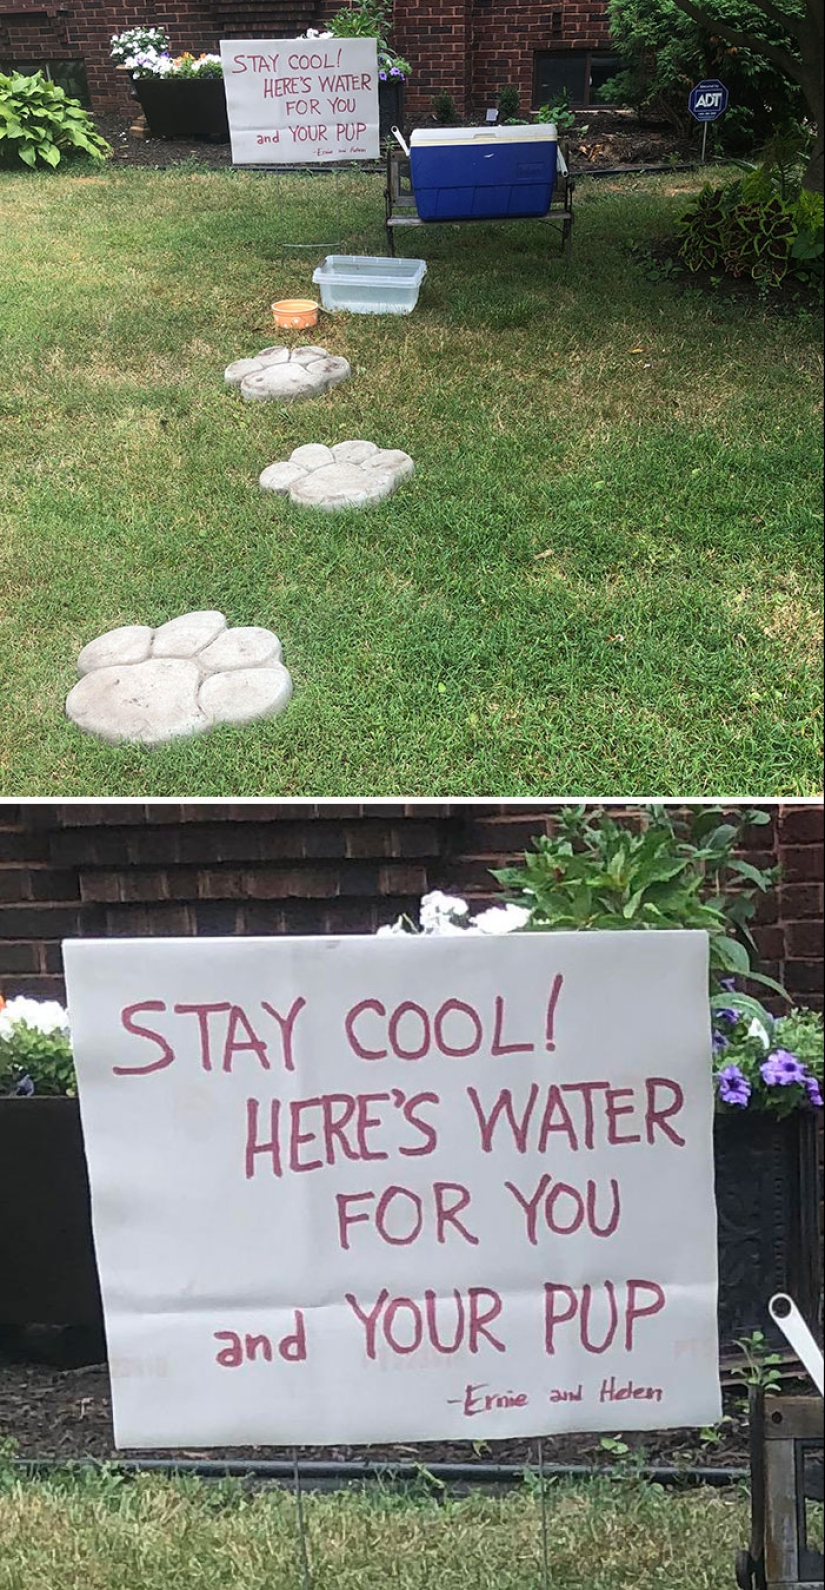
383 76
729 984
734 1087
782 1069
814 1092
728 1014
720 1043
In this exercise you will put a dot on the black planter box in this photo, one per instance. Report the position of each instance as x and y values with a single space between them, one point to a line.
767 1196
766 1189
184 107
390 107
48 1274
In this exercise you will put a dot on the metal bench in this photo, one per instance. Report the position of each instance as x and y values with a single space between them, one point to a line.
401 209
786 1476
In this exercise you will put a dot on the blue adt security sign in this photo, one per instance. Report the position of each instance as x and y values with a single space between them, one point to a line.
708 100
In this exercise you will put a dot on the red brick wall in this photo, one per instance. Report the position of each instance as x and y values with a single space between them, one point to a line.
466 48
98 870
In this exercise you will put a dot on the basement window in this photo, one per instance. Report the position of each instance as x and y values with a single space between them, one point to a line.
68 75
581 73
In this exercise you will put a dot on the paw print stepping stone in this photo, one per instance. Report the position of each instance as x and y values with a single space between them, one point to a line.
350 475
148 686
286 375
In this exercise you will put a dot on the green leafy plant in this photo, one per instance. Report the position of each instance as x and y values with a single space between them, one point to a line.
596 872
749 229
444 109
509 103
761 1366
369 19
40 122
561 115
35 1049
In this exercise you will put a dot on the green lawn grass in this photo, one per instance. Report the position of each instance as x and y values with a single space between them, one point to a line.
103 1533
603 581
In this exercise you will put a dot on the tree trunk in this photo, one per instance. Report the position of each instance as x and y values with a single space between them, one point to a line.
812 78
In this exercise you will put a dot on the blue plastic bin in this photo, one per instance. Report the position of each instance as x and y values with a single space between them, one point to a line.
476 173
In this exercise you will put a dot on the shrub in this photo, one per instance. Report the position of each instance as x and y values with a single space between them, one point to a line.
664 52
38 121
444 109
509 103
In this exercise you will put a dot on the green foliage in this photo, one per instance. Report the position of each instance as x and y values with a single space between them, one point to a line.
802 1032
596 872
45 1058
749 229
761 1366
38 121
509 103
444 109
371 19
560 114
664 52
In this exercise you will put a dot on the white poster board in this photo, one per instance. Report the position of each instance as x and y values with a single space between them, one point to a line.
301 101
362 1190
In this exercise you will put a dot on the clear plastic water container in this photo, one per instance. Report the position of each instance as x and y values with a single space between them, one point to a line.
368 286
492 173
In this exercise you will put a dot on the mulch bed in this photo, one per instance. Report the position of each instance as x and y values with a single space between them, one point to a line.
613 138
66 1414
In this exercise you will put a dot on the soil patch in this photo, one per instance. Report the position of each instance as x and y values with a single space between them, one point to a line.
661 262
66 1414
612 138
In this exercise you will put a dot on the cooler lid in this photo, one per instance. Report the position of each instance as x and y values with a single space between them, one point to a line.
430 137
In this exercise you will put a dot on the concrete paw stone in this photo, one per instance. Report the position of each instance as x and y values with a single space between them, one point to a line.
129 644
312 456
279 478
286 383
348 475
146 702
286 375
391 461
341 486
353 452
240 648
246 694
147 686
184 636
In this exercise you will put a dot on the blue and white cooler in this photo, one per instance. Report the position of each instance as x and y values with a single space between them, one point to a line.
477 173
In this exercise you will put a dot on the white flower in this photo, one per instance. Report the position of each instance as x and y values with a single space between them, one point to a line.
756 1030
44 1015
502 919
395 930
439 910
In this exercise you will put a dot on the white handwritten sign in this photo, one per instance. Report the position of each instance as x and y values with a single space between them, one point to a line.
354 1190
301 101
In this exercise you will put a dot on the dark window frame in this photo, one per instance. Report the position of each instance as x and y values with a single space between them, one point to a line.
586 57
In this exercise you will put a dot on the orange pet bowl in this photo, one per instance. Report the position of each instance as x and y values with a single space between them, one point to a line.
296 314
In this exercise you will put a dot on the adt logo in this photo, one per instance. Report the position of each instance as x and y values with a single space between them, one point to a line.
708 100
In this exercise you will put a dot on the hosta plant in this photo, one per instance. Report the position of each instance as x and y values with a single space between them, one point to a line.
40 122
